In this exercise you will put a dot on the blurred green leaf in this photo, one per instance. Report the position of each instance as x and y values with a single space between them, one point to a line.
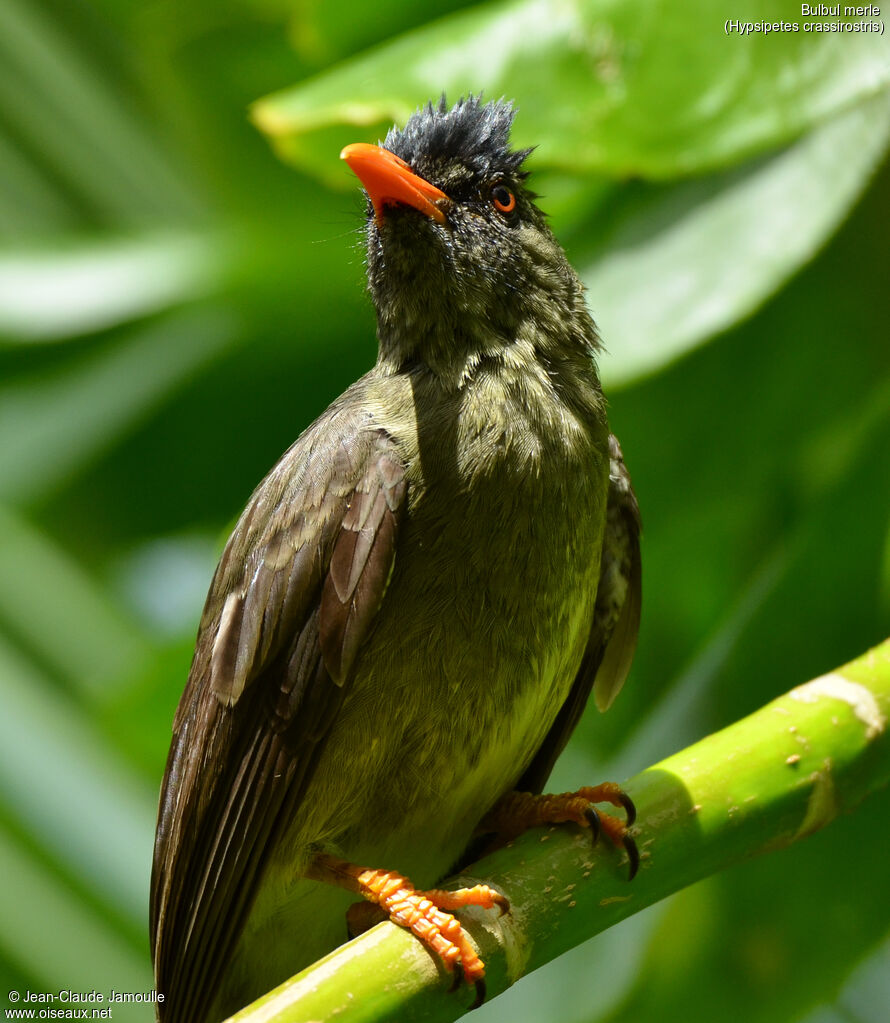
51 935
678 264
29 205
77 798
165 581
865 994
322 32
62 615
50 427
97 285
72 121
596 82
138 723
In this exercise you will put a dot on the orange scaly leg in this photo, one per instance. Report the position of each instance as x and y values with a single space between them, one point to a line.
422 912
518 811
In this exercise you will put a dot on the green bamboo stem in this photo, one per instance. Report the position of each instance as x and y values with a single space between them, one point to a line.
760 784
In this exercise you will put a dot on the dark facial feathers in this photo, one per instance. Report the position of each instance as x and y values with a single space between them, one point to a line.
448 294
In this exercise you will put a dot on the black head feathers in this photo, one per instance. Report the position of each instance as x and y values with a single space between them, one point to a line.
471 133
461 261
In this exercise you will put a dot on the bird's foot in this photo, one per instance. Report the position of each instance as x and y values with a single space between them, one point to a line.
424 913
518 811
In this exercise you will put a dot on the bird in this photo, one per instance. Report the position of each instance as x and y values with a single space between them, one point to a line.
416 603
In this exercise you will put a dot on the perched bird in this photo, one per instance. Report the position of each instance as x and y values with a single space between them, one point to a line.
413 609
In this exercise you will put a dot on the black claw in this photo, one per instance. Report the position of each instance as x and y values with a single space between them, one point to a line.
629 808
593 819
633 856
456 978
480 995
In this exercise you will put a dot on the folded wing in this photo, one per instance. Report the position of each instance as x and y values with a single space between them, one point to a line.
295 592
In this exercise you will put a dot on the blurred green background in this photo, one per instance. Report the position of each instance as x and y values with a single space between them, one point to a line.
177 304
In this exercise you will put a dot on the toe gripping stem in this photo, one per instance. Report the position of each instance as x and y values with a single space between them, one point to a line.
519 811
424 913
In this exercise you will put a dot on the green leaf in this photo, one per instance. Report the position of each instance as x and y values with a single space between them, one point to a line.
29 204
80 633
76 797
72 117
60 941
598 84
865 995
97 285
322 32
681 263
50 427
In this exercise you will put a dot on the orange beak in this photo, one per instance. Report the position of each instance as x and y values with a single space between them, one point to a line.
388 179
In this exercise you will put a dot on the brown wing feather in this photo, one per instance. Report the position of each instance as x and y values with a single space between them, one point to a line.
294 594
616 621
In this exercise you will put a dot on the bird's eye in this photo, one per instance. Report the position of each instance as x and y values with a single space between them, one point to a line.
503 199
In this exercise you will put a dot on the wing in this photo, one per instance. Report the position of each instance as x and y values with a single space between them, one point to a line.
296 589
616 621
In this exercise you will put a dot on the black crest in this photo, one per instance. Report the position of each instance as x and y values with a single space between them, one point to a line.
474 133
